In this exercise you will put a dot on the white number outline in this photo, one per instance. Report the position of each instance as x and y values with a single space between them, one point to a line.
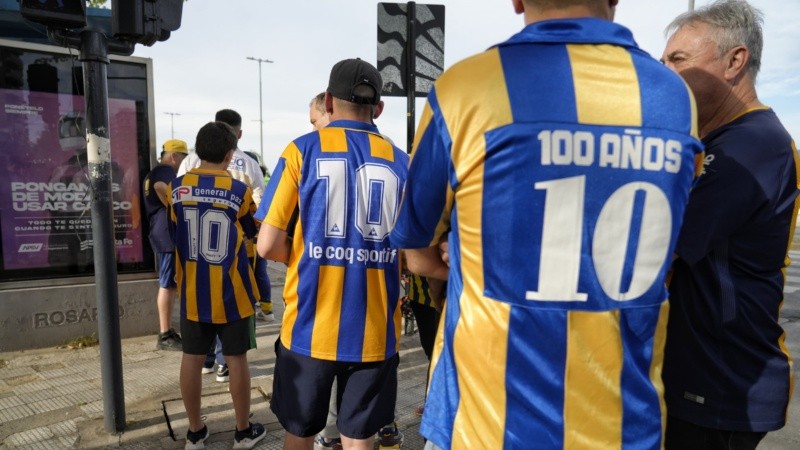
561 243
200 231
334 172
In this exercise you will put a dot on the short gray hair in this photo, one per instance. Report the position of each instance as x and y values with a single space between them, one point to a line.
318 102
733 23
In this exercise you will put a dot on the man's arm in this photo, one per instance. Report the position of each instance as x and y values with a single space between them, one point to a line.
162 190
427 262
273 243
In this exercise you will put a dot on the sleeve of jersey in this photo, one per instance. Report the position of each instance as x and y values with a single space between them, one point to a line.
246 212
708 221
280 197
254 172
424 212
171 212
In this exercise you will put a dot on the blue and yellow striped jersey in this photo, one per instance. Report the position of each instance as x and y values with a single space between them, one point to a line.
418 290
211 217
343 281
560 163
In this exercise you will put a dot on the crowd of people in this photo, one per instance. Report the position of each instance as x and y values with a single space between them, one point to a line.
629 297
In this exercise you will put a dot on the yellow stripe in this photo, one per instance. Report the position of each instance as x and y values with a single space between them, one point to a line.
191 290
606 85
592 392
480 337
223 182
481 342
215 275
243 301
424 122
380 147
325 335
657 364
332 140
376 319
747 111
787 261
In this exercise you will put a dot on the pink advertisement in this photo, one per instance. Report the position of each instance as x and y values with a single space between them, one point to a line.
45 195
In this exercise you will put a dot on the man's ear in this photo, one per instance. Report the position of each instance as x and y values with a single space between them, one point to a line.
328 103
519 8
736 61
378 110
228 156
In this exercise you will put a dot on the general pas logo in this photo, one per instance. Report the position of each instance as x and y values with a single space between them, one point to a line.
181 193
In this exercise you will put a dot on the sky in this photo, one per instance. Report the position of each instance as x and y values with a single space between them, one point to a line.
203 66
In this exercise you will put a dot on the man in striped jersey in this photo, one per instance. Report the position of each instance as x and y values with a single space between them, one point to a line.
560 163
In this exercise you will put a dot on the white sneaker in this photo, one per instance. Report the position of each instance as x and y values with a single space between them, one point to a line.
265 317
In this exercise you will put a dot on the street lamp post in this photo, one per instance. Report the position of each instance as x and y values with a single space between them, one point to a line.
691 5
260 104
172 123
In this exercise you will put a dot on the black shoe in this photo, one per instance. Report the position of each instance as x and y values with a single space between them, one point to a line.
169 340
222 373
249 438
195 440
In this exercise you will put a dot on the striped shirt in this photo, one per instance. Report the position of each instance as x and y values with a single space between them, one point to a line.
211 215
342 286
560 163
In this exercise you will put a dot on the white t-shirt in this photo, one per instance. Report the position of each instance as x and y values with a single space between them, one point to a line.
242 168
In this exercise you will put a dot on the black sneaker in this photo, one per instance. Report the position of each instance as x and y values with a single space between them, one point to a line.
196 439
249 438
169 340
222 373
390 437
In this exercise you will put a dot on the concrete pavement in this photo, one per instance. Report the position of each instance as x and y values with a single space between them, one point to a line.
52 398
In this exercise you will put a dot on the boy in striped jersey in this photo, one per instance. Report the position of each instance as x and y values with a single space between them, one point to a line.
211 216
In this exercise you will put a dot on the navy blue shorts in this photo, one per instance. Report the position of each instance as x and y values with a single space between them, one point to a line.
166 269
301 392
236 337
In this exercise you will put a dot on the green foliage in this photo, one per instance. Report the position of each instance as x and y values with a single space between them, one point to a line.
97 3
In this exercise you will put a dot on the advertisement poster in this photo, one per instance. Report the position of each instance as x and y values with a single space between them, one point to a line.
45 195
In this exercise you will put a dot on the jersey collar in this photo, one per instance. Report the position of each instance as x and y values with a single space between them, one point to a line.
355 125
574 31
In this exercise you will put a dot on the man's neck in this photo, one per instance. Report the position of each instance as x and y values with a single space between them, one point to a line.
206 165
741 99
533 15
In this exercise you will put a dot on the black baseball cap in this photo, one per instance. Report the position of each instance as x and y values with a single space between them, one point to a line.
348 74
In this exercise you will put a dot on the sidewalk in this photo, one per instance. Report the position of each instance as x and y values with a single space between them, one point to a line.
52 398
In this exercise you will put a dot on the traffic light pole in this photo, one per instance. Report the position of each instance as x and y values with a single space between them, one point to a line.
94 56
411 72
93 47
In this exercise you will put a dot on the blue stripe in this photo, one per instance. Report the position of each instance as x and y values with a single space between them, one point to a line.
641 413
307 287
443 395
269 192
633 240
658 90
538 95
393 290
350 346
535 378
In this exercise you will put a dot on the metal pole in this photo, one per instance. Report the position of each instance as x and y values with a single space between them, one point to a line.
411 71
691 5
260 104
172 123
94 56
